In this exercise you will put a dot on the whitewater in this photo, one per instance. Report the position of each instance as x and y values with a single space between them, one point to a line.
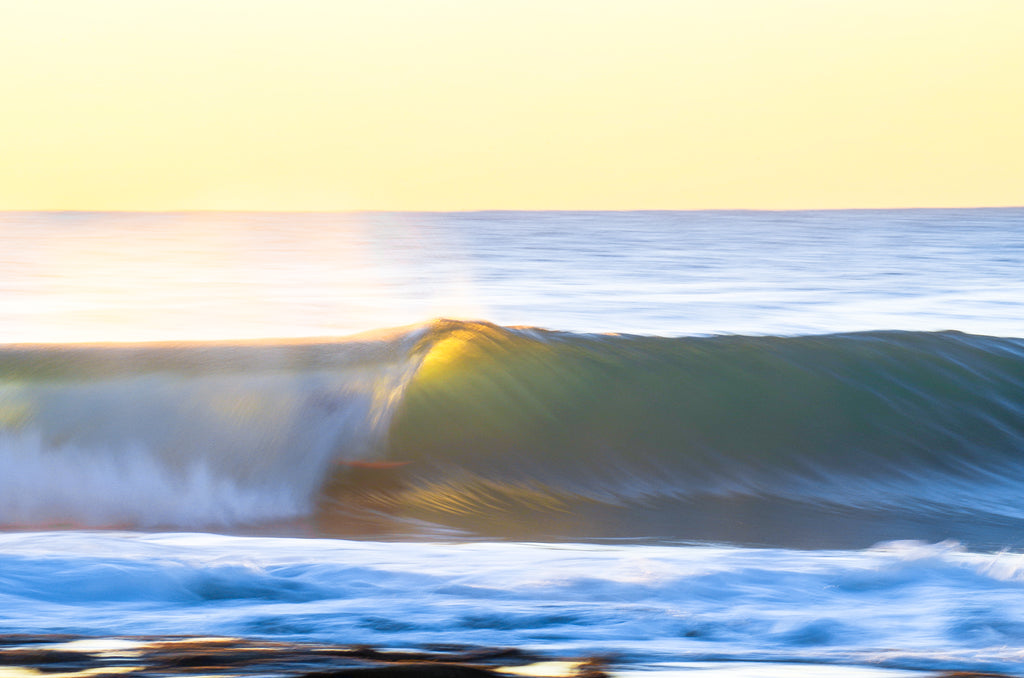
710 442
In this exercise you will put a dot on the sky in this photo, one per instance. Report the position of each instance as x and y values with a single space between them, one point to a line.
330 105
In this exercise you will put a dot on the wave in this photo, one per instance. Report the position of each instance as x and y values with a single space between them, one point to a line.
527 433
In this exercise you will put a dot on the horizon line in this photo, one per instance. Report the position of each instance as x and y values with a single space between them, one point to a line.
500 210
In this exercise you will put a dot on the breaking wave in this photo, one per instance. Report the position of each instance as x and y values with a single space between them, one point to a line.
832 440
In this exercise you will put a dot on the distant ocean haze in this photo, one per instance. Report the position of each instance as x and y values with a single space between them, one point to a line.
171 276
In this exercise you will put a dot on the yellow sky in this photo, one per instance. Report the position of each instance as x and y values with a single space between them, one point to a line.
511 104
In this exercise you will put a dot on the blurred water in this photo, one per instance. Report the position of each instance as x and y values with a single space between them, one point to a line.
70 277
900 605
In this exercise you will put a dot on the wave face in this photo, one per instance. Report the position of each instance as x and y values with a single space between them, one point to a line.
834 440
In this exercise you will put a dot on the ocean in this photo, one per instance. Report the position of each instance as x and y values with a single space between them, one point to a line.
717 444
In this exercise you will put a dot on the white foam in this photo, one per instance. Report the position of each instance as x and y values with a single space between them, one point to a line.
83 486
902 605
186 450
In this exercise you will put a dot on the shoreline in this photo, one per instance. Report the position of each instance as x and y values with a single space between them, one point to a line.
62 655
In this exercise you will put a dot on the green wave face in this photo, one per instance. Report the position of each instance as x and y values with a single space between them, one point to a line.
521 424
